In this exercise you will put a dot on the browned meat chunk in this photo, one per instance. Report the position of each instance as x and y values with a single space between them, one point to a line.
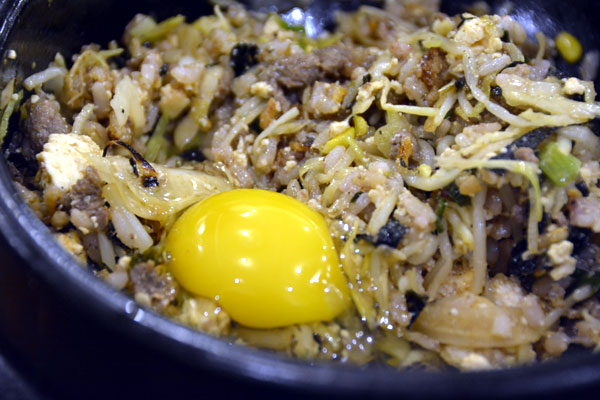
435 69
148 285
43 119
295 71
88 212
299 70
526 154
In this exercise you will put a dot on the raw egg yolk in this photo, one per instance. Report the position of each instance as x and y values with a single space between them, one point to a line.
265 257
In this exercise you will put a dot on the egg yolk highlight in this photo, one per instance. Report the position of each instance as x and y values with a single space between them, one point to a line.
265 257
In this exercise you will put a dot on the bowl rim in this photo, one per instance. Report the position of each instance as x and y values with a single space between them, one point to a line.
32 241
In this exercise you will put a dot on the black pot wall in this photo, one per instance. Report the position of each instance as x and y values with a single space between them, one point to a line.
77 338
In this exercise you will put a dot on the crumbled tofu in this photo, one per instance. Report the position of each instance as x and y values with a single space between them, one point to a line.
240 158
465 359
421 216
290 165
560 257
337 128
63 161
206 315
573 86
261 89
369 89
483 31
443 26
504 291
590 172
471 31
326 98
71 243
172 101
123 263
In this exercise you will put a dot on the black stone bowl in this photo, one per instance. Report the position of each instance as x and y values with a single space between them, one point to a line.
75 337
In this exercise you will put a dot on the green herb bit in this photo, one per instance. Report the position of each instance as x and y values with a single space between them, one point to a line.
583 278
110 53
158 140
439 212
161 30
11 106
287 26
561 168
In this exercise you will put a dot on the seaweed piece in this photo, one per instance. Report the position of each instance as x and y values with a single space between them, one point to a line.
583 188
150 181
544 222
534 138
243 57
255 126
583 278
355 197
496 91
460 83
553 71
390 234
519 267
531 140
414 304
580 237
527 282
452 193
164 69
577 97
594 125
193 155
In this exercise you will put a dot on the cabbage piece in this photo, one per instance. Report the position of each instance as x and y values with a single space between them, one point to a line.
177 189
473 321
127 105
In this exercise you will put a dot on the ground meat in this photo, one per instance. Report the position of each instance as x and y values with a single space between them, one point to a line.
150 287
88 212
525 154
402 148
499 228
43 119
435 69
295 71
303 69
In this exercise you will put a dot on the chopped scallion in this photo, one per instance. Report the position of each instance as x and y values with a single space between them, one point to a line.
561 168
159 31
158 140
283 24
12 105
